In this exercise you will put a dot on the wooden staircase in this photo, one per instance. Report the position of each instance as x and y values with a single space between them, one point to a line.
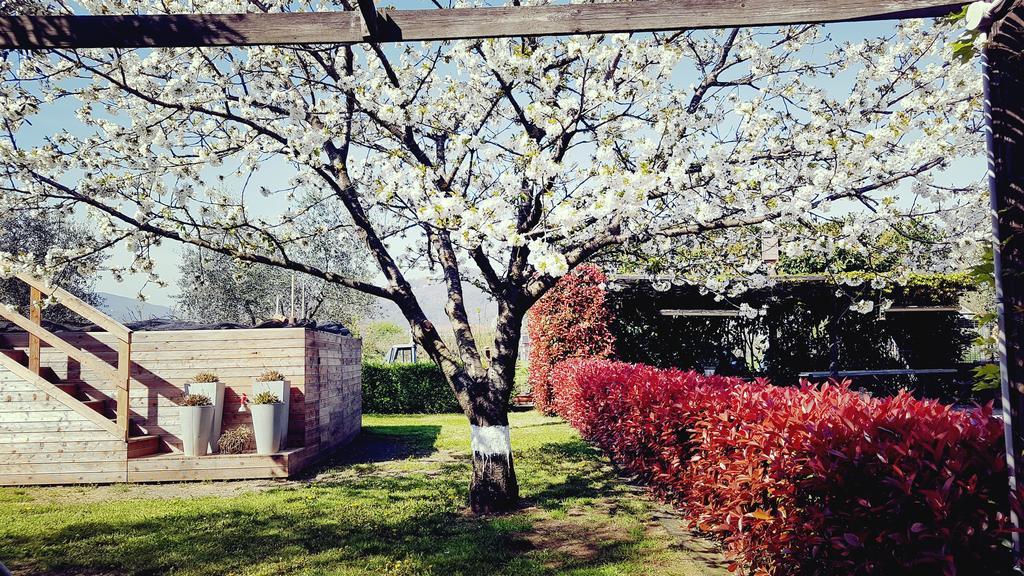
139 443
106 413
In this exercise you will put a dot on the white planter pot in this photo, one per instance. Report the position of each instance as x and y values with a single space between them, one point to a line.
215 392
267 422
196 425
280 389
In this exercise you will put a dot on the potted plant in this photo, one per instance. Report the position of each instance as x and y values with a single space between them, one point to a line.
268 417
209 385
273 381
196 414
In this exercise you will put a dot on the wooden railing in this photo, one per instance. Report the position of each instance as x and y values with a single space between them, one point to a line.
121 376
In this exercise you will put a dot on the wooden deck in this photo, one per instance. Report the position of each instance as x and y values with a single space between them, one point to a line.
176 467
112 466
60 427
101 407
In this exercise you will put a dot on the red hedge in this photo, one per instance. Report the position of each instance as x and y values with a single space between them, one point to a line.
807 480
570 321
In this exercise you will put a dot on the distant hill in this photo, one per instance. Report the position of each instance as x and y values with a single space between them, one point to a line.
481 309
124 309
433 297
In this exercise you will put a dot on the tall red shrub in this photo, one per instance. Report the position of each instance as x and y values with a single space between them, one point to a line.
571 321
804 480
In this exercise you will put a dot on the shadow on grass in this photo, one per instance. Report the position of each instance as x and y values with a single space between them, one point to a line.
401 525
397 526
567 470
232 541
538 425
379 444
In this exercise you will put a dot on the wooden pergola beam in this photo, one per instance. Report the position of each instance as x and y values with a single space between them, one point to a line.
369 25
932 309
701 313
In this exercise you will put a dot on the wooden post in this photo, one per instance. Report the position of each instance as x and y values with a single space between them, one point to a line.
1004 111
302 308
35 314
368 17
124 379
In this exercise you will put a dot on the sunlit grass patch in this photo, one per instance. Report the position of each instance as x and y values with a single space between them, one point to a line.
400 514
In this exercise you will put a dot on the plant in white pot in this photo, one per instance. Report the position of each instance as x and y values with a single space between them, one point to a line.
273 381
208 384
268 417
196 415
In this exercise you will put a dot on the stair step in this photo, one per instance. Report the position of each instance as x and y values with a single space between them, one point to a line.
18 356
143 445
82 390
134 429
97 405
47 373
69 388
21 357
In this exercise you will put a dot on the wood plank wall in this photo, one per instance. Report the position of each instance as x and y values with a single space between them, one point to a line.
44 442
334 390
322 369
162 362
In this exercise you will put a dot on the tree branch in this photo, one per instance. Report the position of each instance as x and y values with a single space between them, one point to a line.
72 194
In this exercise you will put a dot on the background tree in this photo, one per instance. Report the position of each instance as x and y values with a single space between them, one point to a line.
503 162
34 239
378 338
214 287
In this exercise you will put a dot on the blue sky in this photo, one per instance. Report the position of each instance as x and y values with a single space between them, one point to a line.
62 115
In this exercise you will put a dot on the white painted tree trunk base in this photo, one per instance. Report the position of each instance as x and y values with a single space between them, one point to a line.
494 488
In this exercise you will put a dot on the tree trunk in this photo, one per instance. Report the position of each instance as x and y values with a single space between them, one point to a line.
494 488
483 395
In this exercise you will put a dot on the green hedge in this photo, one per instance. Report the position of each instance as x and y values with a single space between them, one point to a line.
406 389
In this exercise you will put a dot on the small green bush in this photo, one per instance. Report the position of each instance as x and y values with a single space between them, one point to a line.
205 377
406 389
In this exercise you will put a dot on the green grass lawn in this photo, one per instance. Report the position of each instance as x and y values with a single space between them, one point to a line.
392 504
